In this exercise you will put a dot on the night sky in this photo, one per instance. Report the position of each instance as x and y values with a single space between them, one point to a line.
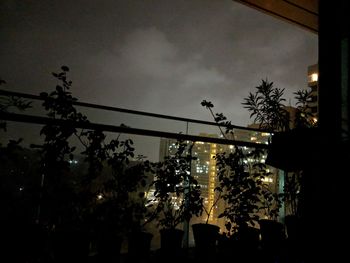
161 56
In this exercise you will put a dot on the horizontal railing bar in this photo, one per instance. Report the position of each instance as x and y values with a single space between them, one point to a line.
122 129
149 114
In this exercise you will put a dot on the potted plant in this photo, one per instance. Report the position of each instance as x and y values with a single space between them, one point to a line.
176 197
61 208
101 200
292 130
206 234
116 181
241 174
272 231
292 198
296 144
139 239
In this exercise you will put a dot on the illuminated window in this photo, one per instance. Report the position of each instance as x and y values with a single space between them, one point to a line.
268 180
314 77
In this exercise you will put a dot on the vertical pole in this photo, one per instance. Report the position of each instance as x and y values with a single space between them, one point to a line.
281 179
186 227
40 198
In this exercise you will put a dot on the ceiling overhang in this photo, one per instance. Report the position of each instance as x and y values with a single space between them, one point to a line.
303 13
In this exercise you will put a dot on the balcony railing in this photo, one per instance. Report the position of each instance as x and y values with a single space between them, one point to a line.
201 133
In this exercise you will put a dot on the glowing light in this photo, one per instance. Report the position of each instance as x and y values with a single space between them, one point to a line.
268 180
314 77
99 196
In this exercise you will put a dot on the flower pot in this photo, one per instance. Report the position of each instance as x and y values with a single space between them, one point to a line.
139 244
272 235
296 149
171 239
205 238
70 244
249 239
205 235
108 248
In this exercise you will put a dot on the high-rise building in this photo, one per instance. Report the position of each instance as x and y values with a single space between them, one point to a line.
203 169
312 83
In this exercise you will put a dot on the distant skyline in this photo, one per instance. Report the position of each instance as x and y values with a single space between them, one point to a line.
158 56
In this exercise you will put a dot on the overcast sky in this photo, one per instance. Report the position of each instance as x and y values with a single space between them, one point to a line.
161 56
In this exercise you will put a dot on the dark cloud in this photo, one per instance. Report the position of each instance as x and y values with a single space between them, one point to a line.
161 56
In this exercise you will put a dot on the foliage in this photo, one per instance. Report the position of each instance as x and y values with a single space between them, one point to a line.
19 183
60 202
292 192
271 203
11 102
109 195
267 108
116 199
304 117
177 193
101 198
266 105
240 189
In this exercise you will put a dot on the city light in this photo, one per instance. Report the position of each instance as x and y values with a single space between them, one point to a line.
314 77
268 180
